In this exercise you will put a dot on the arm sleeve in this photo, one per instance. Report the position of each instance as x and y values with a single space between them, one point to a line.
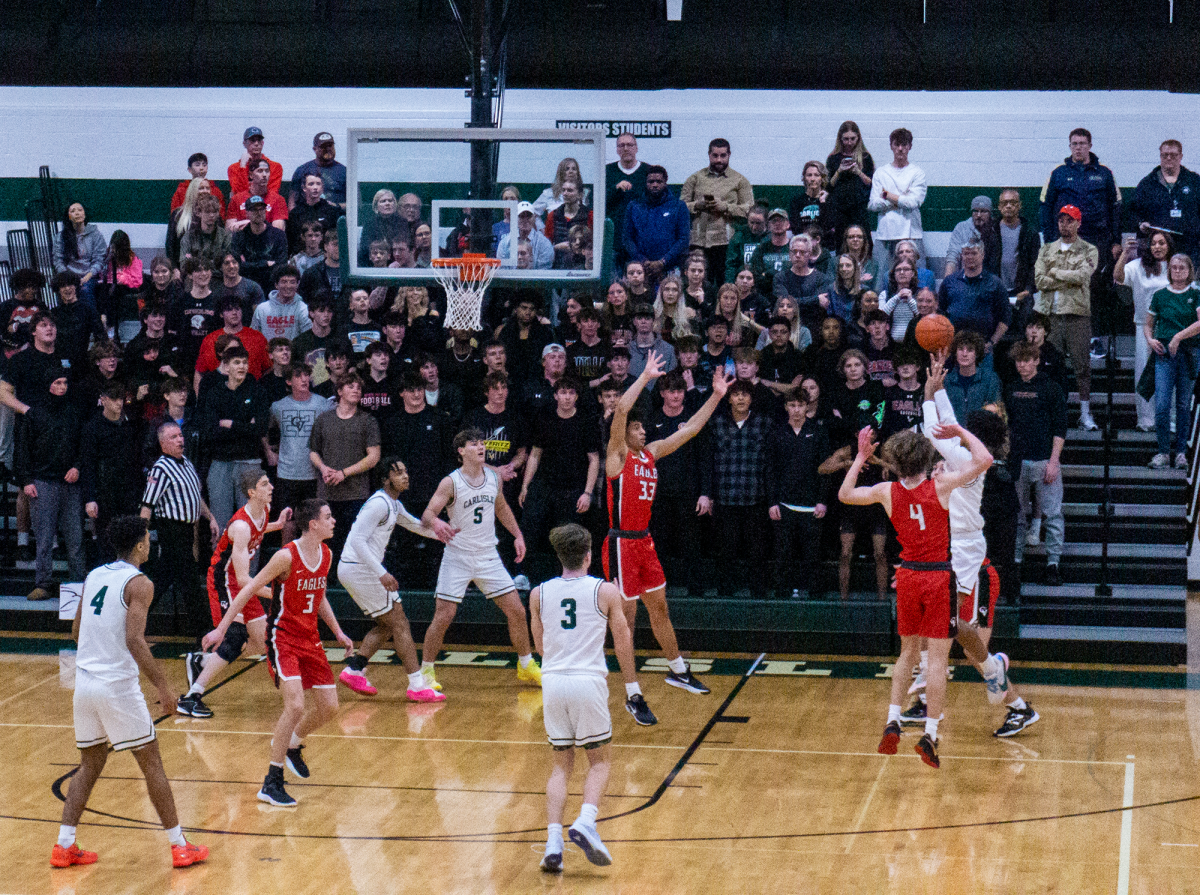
629 235
745 198
99 252
877 203
1057 411
87 464
682 222
411 522
1046 211
371 516
940 411
156 484
914 197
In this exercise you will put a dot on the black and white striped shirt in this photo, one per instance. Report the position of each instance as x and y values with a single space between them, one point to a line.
173 490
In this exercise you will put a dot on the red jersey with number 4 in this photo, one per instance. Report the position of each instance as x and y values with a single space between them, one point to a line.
922 524
631 493
296 599
221 567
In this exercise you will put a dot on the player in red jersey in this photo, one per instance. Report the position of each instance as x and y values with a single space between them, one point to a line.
297 660
629 557
926 592
228 570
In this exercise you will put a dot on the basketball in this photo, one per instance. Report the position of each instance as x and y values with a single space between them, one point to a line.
934 332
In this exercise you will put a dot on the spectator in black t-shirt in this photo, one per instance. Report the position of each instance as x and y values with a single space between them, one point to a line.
587 356
779 363
745 365
878 348
560 474
420 435
273 385
507 442
445 396
687 352
822 359
378 382
259 246
337 364
462 365
31 371
326 276
310 207
902 401
524 336
682 477
537 398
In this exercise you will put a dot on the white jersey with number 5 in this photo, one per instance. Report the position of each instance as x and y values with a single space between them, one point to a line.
472 511
103 653
573 627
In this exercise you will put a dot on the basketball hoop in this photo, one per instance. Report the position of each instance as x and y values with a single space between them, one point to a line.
465 280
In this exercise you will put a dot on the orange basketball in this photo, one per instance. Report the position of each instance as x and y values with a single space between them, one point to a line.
934 332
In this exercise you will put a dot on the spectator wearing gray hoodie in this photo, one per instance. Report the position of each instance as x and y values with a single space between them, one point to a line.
284 315
80 247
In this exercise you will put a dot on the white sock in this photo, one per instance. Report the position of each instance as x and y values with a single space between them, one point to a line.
677 665
416 681
1018 704
296 742
893 714
523 661
425 665
66 836
931 726
22 539
991 666
175 835
554 839
587 814
196 690
634 689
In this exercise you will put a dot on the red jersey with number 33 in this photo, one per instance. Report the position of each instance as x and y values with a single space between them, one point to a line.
631 493
296 599
922 524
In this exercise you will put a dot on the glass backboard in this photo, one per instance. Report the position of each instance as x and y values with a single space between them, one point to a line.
415 184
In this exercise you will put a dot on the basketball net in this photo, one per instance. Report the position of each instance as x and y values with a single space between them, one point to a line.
465 280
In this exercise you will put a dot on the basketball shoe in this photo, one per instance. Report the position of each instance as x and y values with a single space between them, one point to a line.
636 706
357 681
890 739
188 854
1017 720
587 838
295 763
927 749
66 857
687 681
531 673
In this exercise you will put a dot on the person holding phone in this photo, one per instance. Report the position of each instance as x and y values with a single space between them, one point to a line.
716 197
850 169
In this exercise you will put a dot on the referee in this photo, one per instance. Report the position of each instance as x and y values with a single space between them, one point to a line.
172 496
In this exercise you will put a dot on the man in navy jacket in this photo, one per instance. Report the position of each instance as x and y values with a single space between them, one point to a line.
657 230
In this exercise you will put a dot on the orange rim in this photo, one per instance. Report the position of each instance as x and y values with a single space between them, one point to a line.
472 266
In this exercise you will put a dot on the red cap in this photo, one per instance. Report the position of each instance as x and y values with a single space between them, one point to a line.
1072 212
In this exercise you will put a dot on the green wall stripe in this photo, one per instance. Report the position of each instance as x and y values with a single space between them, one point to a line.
147 201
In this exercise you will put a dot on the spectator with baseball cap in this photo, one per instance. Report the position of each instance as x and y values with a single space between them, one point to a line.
771 256
259 247
326 166
977 227
543 249
1063 275
239 171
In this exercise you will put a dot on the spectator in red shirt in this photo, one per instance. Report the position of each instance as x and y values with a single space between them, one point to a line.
239 171
197 168
277 210
252 340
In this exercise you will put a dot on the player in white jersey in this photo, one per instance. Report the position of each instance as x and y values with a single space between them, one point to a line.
473 500
110 710
976 579
570 616
376 591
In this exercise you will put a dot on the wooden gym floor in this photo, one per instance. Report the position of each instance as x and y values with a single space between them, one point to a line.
771 784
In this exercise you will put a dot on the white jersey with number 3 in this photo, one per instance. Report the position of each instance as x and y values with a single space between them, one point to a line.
573 626
102 652
472 511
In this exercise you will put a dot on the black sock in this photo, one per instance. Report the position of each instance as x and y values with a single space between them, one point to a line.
357 663
275 772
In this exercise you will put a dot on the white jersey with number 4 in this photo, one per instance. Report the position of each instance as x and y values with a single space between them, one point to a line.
472 510
573 626
102 652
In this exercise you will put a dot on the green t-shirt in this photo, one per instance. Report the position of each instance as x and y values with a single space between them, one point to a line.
1173 312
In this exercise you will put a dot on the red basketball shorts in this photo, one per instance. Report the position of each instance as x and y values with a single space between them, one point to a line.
305 662
978 608
633 564
926 604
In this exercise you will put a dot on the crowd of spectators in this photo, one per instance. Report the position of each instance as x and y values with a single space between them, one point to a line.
241 348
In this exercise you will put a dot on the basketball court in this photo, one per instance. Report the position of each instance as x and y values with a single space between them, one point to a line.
770 784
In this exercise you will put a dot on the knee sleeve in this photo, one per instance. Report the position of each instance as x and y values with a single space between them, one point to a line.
235 641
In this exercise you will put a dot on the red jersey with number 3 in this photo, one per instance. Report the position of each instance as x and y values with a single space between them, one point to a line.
922 524
296 599
631 493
